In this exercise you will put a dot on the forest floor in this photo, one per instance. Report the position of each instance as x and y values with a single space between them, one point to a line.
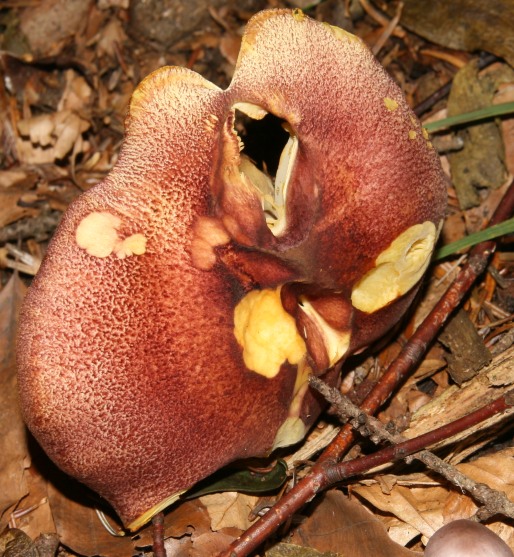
68 70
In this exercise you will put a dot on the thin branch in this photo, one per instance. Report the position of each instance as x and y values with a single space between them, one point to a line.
495 502
327 473
158 535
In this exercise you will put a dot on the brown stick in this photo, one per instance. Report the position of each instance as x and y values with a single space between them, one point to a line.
327 474
343 470
408 359
158 535
495 502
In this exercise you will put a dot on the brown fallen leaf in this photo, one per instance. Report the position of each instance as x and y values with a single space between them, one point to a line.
345 526
423 504
470 25
50 23
230 509
13 442
291 550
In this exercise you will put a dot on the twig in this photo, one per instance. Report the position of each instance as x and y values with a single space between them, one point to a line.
408 359
343 470
380 18
495 502
327 473
388 30
158 535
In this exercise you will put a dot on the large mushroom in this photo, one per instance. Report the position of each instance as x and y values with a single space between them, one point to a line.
184 301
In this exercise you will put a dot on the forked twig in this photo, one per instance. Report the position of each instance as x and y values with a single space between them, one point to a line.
327 474
495 502
411 355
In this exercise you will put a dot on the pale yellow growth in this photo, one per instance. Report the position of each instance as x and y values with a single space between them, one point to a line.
133 245
412 134
98 235
273 195
425 133
266 333
342 35
276 212
252 110
211 122
208 233
336 342
298 15
390 104
397 269
290 432
257 178
150 513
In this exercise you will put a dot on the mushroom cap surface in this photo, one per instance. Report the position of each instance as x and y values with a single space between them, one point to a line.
173 324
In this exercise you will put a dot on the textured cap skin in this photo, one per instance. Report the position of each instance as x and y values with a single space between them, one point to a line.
130 375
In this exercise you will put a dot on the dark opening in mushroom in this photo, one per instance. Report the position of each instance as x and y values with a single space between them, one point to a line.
264 140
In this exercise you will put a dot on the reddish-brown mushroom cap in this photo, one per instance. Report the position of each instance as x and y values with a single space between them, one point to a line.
185 299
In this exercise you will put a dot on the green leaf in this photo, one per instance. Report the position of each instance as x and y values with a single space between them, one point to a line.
493 111
248 481
505 227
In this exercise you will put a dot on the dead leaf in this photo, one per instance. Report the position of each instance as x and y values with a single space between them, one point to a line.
423 505
10 211
13 442
230 509
48 24
78 525
291 550
49 137
470 25
339 524
456 402
480 162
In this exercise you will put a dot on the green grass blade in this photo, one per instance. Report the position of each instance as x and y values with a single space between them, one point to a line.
505 227
493 111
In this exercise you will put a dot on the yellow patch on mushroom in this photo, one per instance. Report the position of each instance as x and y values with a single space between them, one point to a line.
298 14
150 513
390 104
208 233
293 429
412 134
211 122
397 269
425 133
97 233
267 333
342 35
133 245
252 110
290 432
